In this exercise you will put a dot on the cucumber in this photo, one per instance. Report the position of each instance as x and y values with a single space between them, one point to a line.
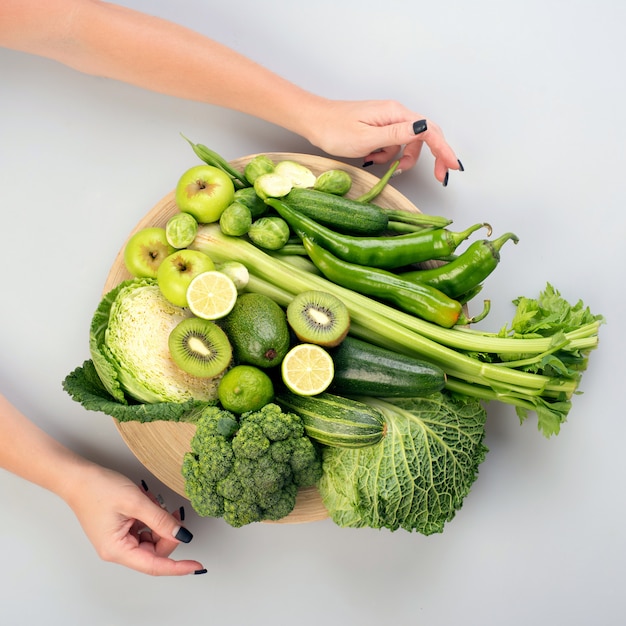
335 421
338 212
363 369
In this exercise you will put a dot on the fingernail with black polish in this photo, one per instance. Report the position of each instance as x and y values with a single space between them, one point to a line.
183 535
461 168
445 179
368 163
144 485
200 571
181 513
419 127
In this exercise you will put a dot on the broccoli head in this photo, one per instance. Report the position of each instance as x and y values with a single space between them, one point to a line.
249 469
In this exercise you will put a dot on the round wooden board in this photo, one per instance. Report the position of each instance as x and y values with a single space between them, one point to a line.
161 446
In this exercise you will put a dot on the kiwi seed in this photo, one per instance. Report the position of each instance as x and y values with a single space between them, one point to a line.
318 317
200 347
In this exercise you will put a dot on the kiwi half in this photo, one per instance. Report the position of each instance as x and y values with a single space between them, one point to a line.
318 317
200 347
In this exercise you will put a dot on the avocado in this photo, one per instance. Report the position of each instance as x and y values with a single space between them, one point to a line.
258 330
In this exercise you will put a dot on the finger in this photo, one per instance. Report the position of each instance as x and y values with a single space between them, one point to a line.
144 534
149 538
164 545
157 499
143 559
167 530
441 172
154 543
410 156
413 134
382 155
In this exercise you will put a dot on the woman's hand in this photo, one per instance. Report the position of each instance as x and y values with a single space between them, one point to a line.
378 131
127 525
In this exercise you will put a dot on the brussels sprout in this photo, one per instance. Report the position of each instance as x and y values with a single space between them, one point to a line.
237 272
272 185
298 174
236 219
337 182
250 198
271 233
259 165
181 230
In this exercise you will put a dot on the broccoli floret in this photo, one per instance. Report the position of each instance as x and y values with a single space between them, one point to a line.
240 513
270 476
303 462
250 442
251 471
276 425
283 505
281 451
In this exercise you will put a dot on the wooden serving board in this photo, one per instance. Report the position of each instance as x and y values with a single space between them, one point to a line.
161 446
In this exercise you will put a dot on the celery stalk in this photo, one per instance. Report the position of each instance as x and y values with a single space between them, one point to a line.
383 325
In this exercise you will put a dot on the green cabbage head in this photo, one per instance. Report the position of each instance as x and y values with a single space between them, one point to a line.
417 477
129 347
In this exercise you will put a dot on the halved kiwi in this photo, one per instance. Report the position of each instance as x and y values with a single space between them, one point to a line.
318 317
200 347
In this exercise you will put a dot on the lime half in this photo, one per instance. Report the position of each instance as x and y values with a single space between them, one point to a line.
307 369
211 295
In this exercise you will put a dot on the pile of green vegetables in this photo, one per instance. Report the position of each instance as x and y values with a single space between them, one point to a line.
417 465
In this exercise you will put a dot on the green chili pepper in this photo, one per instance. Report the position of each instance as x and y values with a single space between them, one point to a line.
381 252
465 272
418 299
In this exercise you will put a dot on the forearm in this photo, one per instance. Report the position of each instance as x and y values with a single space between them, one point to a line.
115 42
29 452
108 40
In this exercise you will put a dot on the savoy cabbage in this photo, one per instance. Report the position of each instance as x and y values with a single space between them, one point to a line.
417 477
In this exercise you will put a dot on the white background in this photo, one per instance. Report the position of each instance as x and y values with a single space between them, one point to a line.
531 96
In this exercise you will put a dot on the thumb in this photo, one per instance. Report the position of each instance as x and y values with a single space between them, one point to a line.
164 525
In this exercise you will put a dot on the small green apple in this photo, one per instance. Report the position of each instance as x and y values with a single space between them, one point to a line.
145 251
204 191
178 270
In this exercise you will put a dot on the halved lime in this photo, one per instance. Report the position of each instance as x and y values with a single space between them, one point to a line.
211 295
307 369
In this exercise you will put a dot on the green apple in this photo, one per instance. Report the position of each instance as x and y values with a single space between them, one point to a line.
204 191
145 251
178 270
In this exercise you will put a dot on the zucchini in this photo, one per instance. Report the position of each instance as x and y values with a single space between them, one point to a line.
338 212
335 421
363 369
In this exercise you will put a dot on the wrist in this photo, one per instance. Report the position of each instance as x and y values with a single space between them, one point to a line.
70 476
311 117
